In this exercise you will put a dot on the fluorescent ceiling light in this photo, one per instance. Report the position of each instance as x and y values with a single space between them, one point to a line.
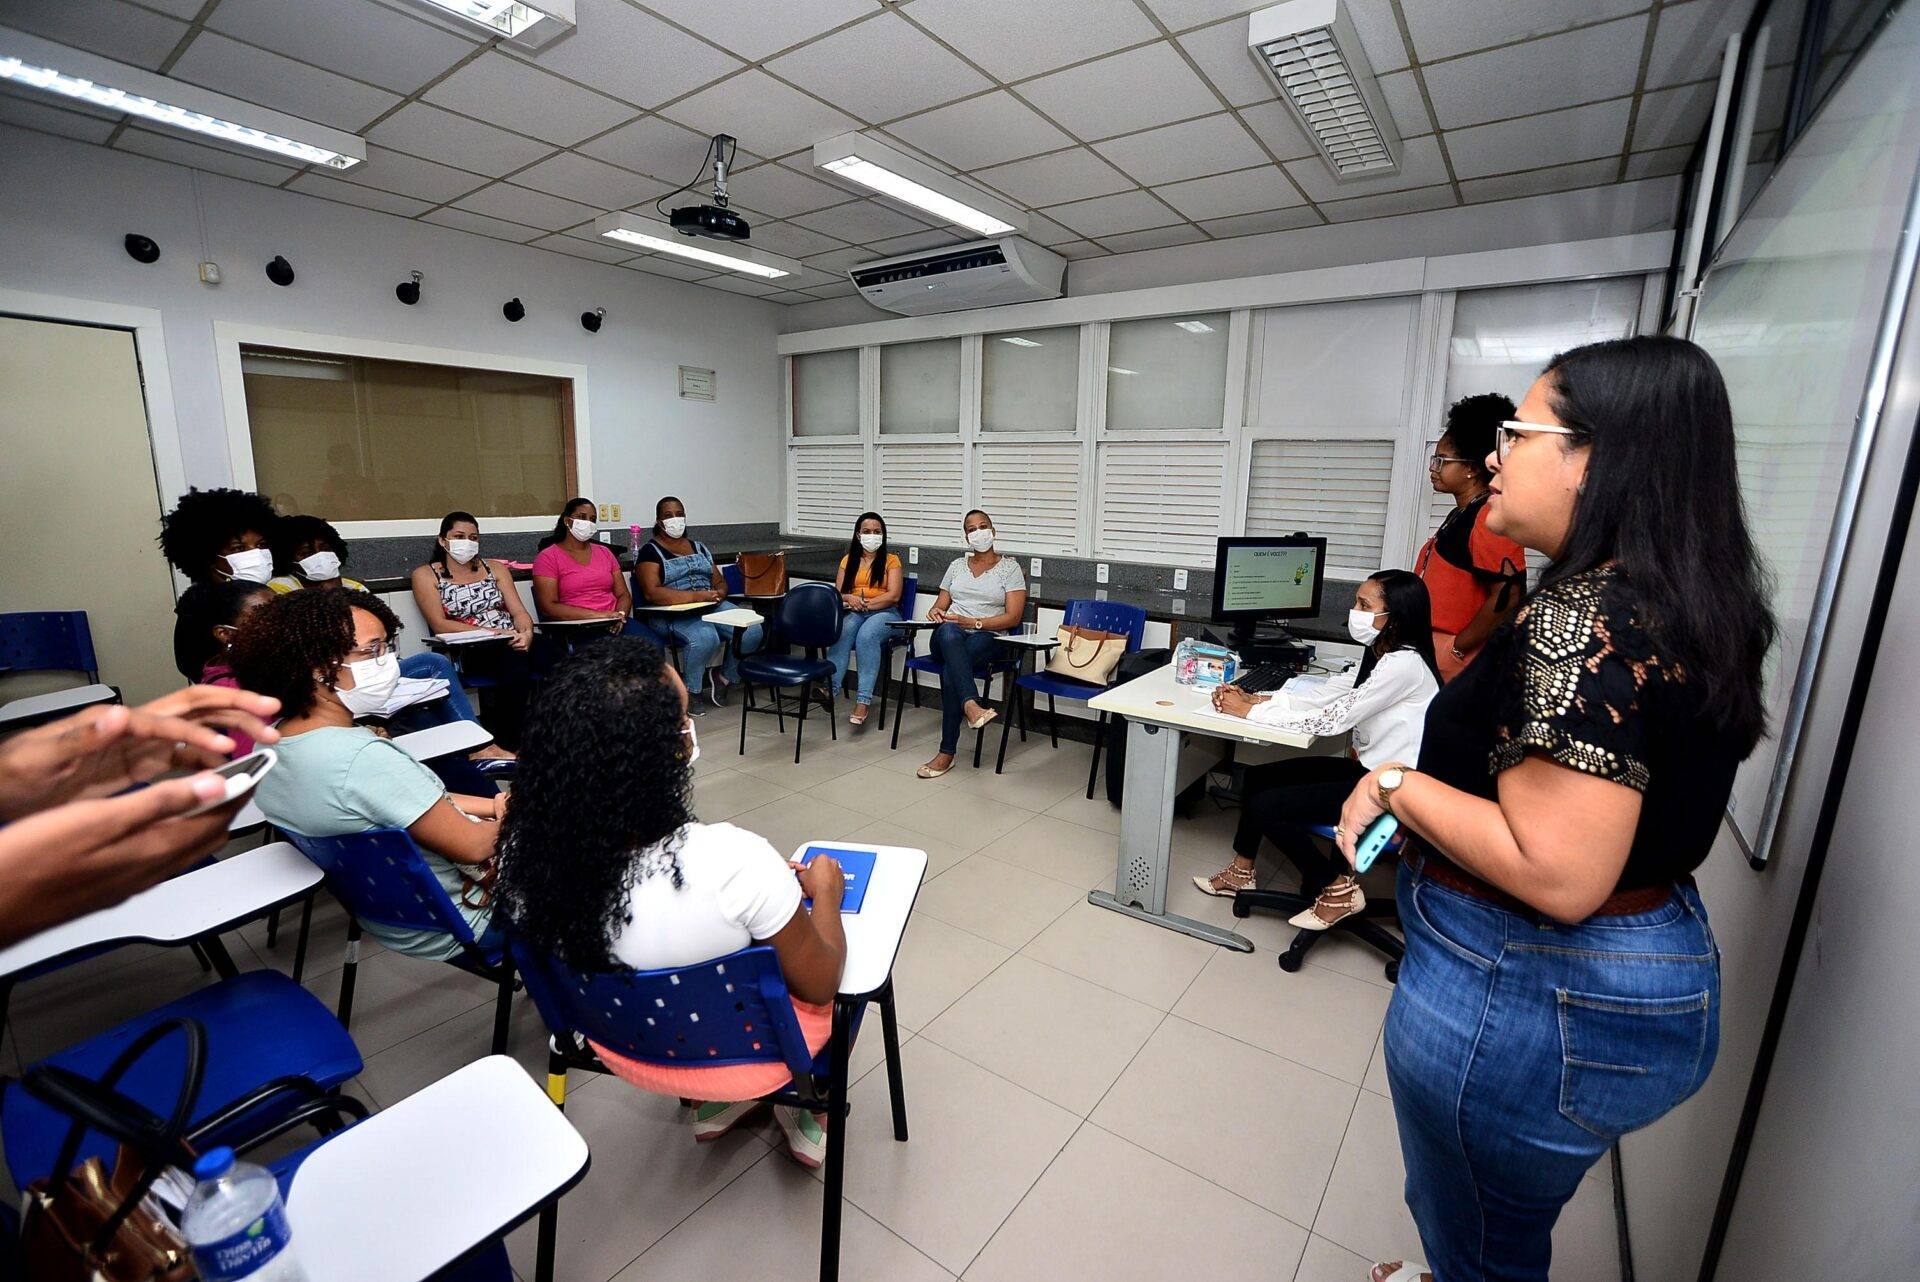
1020 342
1310 49
114 86
523 24
648 233
901 178
1194 327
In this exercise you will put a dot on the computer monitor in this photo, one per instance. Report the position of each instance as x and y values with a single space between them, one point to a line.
1271 577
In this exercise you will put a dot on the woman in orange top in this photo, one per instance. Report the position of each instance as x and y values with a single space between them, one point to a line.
1475 578
871 581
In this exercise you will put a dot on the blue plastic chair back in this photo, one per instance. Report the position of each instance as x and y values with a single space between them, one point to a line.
732 1010
736 578
909 593
383 880
1108 616
47 640
810 615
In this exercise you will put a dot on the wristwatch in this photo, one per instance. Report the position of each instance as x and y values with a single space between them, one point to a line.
1388 782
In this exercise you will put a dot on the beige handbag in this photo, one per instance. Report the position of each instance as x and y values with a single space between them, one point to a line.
1087 654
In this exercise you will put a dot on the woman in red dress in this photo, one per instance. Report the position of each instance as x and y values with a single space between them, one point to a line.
1474 577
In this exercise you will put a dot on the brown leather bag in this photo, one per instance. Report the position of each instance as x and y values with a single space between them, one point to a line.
764 573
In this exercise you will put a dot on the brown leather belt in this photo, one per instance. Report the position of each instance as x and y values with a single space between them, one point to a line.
1621 903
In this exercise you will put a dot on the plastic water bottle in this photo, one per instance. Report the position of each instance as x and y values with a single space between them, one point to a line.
235 1224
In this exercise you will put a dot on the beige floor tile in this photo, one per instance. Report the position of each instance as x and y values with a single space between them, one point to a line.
937 964
978 1144
1058 849
648 1174
722 794
870 1048
1326 1261
1059 1036
1365 1210
1315 1017
1106 1209
1350 956
397 997
868 792
1148 963
429 1055
961 818
812 768
1262 1126
941 855
766 1225
326 938
1376 1078
1097 813
1036 779
74 1003
790 822
996 900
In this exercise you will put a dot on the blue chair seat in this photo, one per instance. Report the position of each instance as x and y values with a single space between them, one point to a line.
785 669
1054 684
261 1026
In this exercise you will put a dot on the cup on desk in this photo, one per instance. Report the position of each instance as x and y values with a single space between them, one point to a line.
1027 630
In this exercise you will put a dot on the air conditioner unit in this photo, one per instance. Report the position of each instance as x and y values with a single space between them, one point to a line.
982 273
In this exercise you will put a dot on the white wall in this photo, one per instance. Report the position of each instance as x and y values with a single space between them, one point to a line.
65 207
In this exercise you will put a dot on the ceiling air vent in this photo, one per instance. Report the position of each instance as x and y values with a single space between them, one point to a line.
1311 50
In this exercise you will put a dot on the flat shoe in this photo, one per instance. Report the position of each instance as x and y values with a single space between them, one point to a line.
928 772
982 719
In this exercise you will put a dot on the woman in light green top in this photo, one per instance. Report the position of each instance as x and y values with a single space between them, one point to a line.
328 657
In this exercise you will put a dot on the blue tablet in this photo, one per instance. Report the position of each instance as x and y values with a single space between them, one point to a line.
856 864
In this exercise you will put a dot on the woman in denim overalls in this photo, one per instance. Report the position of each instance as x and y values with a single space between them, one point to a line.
672 569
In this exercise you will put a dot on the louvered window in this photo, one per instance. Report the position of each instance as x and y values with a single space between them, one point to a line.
1337 489
829 487
1159 501
1032 491
921 491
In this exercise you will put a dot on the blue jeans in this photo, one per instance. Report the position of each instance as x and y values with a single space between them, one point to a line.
964 653
429 664
699 642
862 634
1519 1050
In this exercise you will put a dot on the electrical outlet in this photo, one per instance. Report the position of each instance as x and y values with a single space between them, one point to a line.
210 273
913 556
617 517
1099 594
1179 580
1100 572
606 512
1179 606
1035 571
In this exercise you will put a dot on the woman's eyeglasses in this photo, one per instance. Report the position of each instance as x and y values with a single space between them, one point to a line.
371 650
1437 461
1513 430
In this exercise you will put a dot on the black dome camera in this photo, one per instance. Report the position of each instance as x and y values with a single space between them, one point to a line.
408 291
514 310
141 248
590 321
280 271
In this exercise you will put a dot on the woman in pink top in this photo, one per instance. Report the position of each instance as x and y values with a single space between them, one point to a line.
576 578
205 621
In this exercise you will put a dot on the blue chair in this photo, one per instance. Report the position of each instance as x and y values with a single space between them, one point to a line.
381 877
271 1050
48 641
732 1010
1007 668
810 616
909 595
736 579
1363 925
1098 616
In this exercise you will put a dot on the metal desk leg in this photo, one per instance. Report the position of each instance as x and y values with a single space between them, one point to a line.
1146 839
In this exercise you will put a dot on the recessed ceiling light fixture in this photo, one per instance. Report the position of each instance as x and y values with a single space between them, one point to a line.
114 86
522 24
899 177
1312 52
648 233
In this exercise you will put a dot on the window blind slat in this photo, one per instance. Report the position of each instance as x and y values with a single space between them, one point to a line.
1159 502
1336 489
921 490
1032 491
829 487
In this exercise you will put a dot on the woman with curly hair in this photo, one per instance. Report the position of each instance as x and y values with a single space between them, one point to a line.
206 620
328 657
603 865
308 553
212 535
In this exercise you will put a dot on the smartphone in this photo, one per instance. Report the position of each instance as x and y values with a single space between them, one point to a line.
1378 836
240 776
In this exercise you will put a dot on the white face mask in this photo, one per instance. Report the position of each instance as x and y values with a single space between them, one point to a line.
872 542
255 565
1360 626
980 540
319 566
693 743
463 550
674 526
373 681
582 530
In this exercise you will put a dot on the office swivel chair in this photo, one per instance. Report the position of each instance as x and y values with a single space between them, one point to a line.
1363 925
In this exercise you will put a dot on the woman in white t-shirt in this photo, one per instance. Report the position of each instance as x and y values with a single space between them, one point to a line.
982 595
603 865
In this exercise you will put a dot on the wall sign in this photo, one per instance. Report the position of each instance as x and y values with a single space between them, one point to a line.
696 384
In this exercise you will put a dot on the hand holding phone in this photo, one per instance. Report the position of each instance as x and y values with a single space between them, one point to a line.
1378 836
240 777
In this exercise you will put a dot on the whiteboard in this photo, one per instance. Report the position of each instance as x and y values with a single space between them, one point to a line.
1792 309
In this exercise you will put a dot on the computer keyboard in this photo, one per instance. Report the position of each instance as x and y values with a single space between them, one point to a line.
1264 678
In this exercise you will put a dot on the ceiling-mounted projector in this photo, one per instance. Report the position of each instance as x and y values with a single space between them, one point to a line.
714 221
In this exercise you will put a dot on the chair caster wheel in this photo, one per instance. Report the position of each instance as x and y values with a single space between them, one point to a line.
1393 972
1291 962
1241 909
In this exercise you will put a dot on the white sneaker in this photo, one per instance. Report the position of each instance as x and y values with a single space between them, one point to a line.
715 1118
806 1138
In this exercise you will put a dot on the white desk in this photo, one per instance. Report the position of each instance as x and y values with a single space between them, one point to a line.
418 1185
200 902
44 707
738 617
873 933
475 636
1159 713
443 740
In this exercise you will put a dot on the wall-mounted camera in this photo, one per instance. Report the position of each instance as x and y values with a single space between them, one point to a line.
141 249
408 291
280 271
590 321
514 310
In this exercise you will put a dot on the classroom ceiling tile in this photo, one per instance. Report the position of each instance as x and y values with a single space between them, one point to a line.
1688 40
1222 55
1224 195
109 28
1534 142
1210 145
1373 19
1074 250
1658 164
838 261
421 130
585 179
757 31
213 160
1051 33
1266 221
411 176
861 221
1538 182
1158 238
599 251
1404 103
1274 124
879 70
769 118
735 284
350 37
315 184
653 145
1444 28
779 191
1122 93
839 289
673 268
519 205
1420 166
480 224
36 112
1073 174
241 71
914 242
1671 117
1541 75
790 240
185 10
1110 215
981 131
527 100
632 55
1042 230
1386 206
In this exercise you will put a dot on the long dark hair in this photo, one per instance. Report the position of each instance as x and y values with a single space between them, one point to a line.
1409 622
592 816
439 554
1661 501
560 525
202 608
877 572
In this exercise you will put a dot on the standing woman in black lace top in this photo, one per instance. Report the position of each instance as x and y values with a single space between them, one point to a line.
1561 985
